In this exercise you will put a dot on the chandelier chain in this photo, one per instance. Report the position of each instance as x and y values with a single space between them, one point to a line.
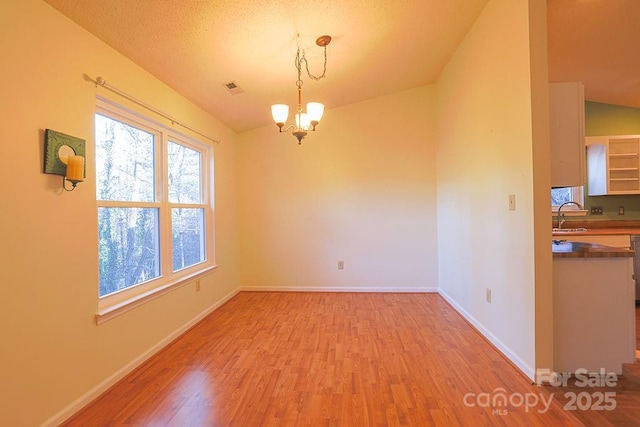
298 64
324 70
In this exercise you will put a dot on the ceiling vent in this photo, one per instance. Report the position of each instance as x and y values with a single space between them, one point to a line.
233 88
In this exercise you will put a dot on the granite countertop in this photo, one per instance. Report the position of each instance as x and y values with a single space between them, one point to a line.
568 249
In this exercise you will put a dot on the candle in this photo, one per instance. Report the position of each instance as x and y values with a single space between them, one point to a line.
75 168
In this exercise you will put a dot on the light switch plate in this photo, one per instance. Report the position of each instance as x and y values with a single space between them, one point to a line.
512 202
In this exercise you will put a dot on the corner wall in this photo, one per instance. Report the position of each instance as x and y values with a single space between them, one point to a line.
361 189
53 354
485 153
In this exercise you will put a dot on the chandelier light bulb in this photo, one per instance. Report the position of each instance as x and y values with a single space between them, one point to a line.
315 111
280 113
302 121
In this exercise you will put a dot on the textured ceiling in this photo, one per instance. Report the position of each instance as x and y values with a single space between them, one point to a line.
378 47
596 42
196 46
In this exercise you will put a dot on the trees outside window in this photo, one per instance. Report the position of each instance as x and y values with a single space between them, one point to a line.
567 194
185 197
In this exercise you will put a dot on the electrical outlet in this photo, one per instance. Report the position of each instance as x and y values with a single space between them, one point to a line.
596 210
340 265
620 210
197 285
489 295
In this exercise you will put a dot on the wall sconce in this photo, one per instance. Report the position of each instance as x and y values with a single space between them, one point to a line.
64 155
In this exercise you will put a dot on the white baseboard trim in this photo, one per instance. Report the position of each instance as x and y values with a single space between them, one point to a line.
505 350
96 391
386 289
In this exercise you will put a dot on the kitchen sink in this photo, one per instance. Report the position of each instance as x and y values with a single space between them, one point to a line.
561 246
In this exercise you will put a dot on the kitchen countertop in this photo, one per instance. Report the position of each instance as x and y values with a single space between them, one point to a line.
602 227
568 249
597 231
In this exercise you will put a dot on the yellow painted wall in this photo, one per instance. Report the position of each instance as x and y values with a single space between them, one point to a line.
484 154
541 149
52 351
361 189
609 119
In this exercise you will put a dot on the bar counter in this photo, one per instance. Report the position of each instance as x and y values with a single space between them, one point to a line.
569 249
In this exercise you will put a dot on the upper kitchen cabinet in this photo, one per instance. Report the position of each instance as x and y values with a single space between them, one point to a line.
566 132
614 164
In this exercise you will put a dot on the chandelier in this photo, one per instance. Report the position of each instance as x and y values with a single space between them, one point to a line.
305 121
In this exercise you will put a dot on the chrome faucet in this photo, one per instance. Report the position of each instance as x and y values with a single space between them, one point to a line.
561 215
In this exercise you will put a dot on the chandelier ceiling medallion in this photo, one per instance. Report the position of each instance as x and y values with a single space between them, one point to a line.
305 121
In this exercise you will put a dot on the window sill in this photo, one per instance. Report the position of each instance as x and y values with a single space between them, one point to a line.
115 310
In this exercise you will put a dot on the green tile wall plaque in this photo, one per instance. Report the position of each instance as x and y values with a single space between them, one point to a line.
58 145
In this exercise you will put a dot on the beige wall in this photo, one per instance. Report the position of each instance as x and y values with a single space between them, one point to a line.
541 183
361 189
484 153
52 351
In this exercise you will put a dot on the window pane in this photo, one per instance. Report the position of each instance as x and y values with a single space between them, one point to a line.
188 237
124 162
128 247
560 195
185 173
568 194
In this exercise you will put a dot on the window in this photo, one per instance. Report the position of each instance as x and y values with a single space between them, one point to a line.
155 216
567 194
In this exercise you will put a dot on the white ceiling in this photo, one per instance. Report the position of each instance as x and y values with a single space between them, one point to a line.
196 46
378 47
596 42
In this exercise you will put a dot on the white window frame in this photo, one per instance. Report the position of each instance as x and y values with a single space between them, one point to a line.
116 303
577 195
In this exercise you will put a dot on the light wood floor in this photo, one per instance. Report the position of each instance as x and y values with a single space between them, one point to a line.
329 359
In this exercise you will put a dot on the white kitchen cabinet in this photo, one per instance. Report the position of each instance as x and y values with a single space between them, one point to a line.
566 133
613 164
